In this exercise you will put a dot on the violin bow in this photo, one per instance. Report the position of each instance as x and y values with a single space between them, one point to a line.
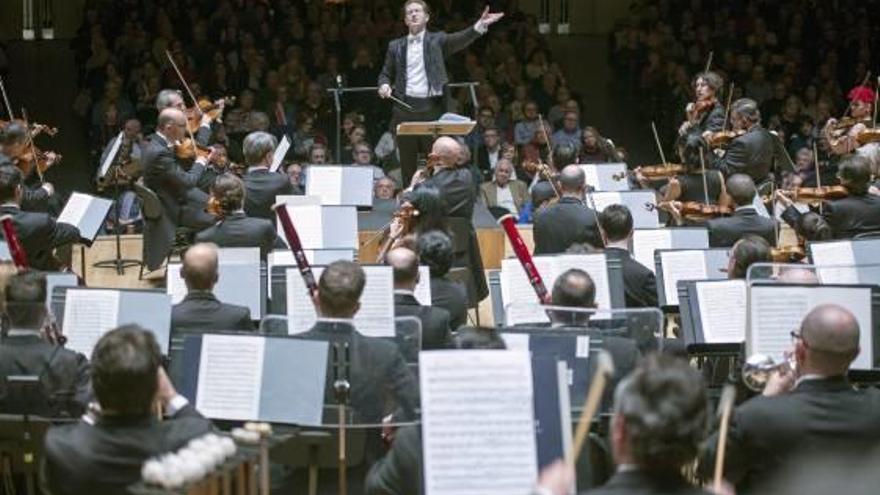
183 81
709 61
705 182
727 108
6 99
818 175
31 145
659 147
549 157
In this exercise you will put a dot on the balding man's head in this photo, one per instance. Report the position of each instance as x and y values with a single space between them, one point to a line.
741 188
572 180
799 276
447 149
171 123
405 263
829 341
199 269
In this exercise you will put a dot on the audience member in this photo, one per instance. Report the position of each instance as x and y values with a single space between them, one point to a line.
504 192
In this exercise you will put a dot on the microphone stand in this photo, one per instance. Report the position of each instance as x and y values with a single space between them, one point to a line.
342 387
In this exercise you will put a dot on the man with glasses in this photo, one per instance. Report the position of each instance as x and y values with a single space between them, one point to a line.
811 409
490 152
363 157
570 132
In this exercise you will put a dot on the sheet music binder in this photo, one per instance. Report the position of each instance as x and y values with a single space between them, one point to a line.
691 318
715 261
292 377
832 267
148 308
606 176
352 184
89 218
679 238
637 202
324 227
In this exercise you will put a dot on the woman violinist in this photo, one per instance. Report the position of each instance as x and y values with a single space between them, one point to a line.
856 133
705 113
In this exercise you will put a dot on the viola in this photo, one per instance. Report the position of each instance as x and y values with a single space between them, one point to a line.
871 135
188 149
787 254
695 110
722 138
809 194
847 122
213 109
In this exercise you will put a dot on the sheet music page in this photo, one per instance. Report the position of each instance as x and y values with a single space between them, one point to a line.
596 266
301 315
340 227
645 241
297 200
838 262
111 156
376 316
722 306
308 223
88 314
681 265
592 177
5 255
774 314
357 183
239 280
516 341
635 201
230 377
175 286
478 422
521 304
423 288
325 181
280 152
82 212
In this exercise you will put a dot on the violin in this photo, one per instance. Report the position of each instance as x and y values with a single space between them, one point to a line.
693 209
696 109
32 157
187 149
660 172
847 122
404 217
811 194
213 109
722 138
871 135
35 129
787 254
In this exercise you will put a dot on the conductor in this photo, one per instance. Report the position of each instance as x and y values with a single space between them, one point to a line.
415 74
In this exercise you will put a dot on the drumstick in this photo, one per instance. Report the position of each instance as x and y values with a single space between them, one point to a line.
725 405
604 369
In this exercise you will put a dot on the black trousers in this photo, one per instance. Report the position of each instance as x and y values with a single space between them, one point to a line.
410 147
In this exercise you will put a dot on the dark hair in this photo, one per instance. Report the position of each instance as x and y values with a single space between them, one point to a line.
616 221
435 251
478 338
664 407
748 250
813 227
431 207
541 193
424 5
229 192
574 289
564 154
14 132
689 151
125 363
26 300
856 171
741 188
10 179
340 288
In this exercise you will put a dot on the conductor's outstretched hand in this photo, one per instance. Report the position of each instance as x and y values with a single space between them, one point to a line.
489 18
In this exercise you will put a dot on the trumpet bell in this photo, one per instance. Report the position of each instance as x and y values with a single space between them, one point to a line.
757 370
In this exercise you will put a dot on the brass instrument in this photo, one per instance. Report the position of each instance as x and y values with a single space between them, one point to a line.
757 369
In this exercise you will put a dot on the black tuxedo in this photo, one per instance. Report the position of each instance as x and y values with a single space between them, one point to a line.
399 472
261 188
182 202
818 417
451 296
107 457
567 222
725 231
692 187
639 483
435 321
64 374
639 282
239 230
207 179
39 235
853 215
202 311
754 153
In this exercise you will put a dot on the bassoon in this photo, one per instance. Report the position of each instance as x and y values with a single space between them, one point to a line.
508 223
296 247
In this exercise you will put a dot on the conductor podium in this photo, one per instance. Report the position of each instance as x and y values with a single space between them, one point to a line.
420 135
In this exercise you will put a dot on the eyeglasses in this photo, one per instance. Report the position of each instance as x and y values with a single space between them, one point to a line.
797 335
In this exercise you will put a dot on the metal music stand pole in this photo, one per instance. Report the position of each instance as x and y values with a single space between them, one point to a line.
118 262
343 389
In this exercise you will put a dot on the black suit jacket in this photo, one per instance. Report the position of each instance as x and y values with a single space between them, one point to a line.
399 472
725 231
451 296
39 235
64 375
437 46
435 321
754 153
261 188
639 283
640 483
567 222
203 311
818 417
853 215
107 457
239 230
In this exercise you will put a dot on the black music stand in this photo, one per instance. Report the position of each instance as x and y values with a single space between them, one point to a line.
21 434
119 263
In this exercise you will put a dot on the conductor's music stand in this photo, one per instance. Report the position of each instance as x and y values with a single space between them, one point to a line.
432 129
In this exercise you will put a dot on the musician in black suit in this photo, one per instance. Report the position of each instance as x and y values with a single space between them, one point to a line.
173 98
183 204
415 72
725 231
15 141
39 233
105 451
859 212
64 378
435 321
435 251
639 282
262 186
747 251
660 416
235 228
705 114
569 221
756 152
809 411
200 310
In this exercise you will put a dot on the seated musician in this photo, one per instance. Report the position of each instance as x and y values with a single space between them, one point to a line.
26 349
217 166
639 282
435 321
435 251
659 419
811 409
705 114
39 233
747 251
569 221
234 228
105 450
809 226
845 140
14 143
262 186
755 152
858 212
691 185
200 310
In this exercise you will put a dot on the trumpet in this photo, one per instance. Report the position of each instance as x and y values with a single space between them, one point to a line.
757 370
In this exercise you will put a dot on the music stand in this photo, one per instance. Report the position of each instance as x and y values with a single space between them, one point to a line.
432 129
119 263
